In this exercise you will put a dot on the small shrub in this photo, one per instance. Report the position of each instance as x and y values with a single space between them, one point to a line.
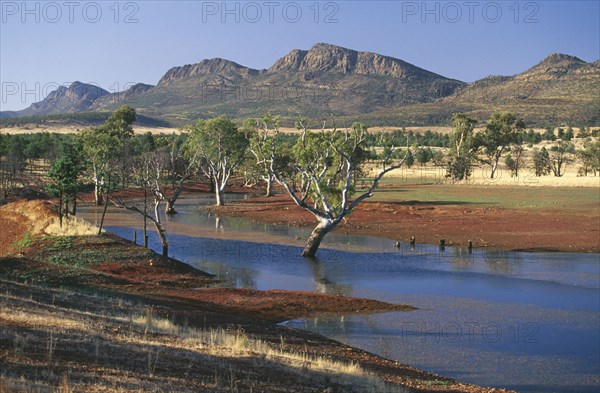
62 243
23 243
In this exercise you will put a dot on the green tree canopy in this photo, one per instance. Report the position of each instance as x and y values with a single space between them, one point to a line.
218 147
119 123
64 174
462 148
502 130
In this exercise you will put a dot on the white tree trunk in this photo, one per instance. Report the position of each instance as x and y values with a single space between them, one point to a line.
220 190
97 192
159 229
220 197
317 235
270 180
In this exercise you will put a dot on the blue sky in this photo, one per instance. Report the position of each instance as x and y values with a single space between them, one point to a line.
115 44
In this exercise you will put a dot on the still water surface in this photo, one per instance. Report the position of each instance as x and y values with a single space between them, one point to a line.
525 321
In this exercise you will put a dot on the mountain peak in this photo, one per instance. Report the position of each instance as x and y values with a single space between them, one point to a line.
555 58
555 65
558 60
332 79
77 97
322 47
139 88
207 67
323 57
325 45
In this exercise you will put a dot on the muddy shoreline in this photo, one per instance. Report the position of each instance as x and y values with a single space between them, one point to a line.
487 227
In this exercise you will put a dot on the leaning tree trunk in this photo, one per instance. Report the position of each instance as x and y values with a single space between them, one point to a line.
66 209
163 239
160 230
493 172
495 164
60 210
145 218
315 238
103 215
170 209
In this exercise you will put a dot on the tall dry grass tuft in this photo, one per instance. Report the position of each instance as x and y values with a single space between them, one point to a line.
51 346
72 226
152 361
22 385
39 213
64 384
43 219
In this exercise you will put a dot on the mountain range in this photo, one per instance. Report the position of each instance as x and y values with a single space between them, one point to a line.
329 80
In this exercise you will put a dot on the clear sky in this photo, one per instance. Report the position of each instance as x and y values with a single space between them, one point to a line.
115 44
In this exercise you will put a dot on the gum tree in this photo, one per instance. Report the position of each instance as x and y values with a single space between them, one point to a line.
147 172
541 162
103 146
560 156
502 130
179 169
514 161
324 163
100 149
462 149
263 147
218 148
590 157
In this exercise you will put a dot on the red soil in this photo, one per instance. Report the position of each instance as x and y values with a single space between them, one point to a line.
499 228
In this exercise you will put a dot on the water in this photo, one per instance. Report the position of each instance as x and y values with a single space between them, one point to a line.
525 321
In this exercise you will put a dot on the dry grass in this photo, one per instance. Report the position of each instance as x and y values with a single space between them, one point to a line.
236 343
38 213
74 129
481 174
72 226
43 219
61 341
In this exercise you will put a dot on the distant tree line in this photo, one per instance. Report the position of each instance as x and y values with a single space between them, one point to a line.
504 136
85 118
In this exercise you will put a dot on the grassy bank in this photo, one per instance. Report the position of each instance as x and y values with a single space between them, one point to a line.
63 340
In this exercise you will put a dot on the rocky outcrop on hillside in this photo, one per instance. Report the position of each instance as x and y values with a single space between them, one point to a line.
331 58
208 67
77 97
